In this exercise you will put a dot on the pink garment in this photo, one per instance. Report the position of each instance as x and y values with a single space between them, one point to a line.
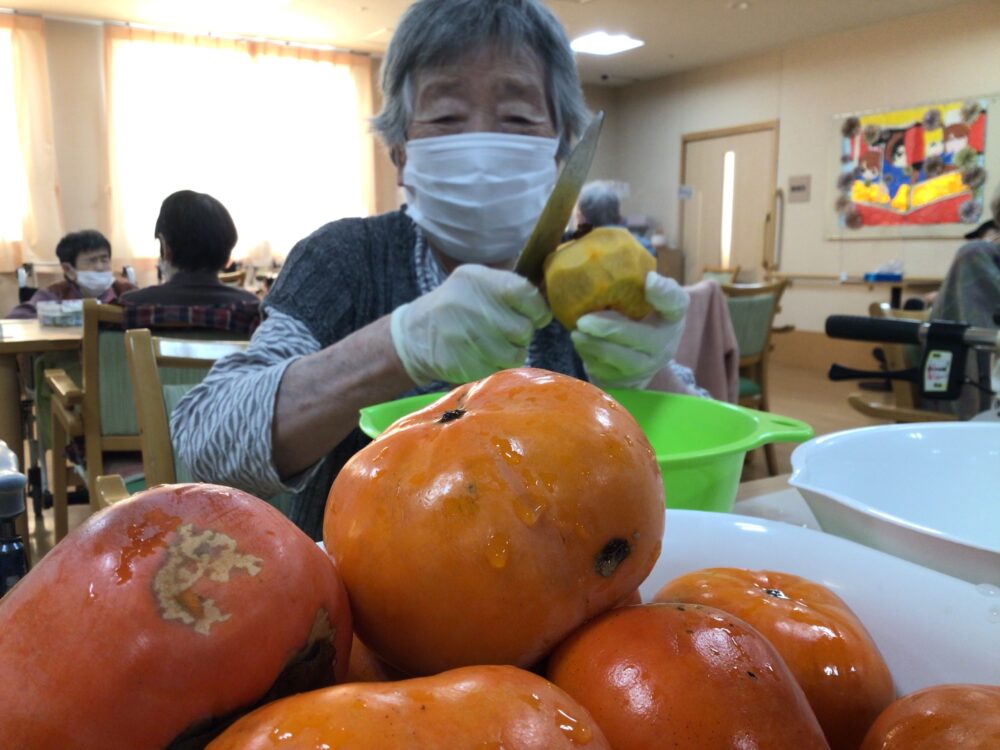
708 344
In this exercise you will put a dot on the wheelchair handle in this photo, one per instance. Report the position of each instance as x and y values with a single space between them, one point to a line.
894 331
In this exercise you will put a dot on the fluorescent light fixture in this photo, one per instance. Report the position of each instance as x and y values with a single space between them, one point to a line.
603 43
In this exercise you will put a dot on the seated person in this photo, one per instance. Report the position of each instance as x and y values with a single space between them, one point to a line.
599 205
369 309
970 294
86 263
196 235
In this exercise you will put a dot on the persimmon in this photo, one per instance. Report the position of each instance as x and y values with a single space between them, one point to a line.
822 641
365 666
161 618
471 707
942 716
604 269
485 527
683 676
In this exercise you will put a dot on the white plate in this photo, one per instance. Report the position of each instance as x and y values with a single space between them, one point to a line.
931 628
929 493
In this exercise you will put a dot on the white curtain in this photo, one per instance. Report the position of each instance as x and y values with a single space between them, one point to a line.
30 213
277 133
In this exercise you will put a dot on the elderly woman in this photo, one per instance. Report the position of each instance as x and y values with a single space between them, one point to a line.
480 101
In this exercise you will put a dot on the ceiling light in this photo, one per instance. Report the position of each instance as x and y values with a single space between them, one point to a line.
744 5
603 43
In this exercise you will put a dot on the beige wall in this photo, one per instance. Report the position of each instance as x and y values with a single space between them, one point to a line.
939 56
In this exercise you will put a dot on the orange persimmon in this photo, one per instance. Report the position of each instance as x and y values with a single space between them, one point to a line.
471 707
686 677
942 716
822 641
485 527
163 617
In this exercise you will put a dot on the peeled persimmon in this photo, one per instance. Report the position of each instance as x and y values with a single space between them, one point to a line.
685 677
487 526
604 269
821 640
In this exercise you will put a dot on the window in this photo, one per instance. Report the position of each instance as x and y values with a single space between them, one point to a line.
277 133
14 185
728 188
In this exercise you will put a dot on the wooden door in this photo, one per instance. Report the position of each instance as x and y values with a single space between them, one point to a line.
729 180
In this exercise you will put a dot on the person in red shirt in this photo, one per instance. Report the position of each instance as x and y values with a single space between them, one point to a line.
85 257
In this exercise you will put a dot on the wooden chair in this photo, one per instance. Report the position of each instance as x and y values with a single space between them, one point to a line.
101 409
234 278
903 406
752 308
721 274
77 408
111 489
155 399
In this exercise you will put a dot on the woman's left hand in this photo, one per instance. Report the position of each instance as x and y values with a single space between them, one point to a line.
621 353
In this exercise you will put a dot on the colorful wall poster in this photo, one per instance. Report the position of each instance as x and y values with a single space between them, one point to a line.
917 166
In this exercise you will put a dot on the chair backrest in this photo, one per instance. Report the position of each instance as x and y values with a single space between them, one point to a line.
752 308
900 356
233 278
721 274
150 361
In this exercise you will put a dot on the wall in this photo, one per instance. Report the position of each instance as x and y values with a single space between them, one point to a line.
944 55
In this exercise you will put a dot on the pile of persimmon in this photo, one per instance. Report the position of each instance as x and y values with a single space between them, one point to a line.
479 591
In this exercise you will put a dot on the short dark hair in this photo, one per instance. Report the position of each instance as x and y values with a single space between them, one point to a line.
198 229
74 243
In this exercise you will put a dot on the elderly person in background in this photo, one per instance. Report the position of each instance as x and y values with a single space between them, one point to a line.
480 101
196 235
970 294
600 205
85 257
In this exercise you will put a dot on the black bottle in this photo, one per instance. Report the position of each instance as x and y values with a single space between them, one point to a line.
13 556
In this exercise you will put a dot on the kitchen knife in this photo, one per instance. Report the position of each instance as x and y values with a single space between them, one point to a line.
551 224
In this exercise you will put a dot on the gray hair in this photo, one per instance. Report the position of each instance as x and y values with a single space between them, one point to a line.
432 33
600 203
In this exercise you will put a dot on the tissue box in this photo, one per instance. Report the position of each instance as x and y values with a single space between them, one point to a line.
67 313
883 277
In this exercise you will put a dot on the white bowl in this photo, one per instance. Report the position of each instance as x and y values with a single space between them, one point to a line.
931 628
929 493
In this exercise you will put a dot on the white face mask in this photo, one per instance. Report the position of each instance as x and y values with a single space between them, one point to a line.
477 196
94 283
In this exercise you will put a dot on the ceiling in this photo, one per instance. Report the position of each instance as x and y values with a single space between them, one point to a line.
679 34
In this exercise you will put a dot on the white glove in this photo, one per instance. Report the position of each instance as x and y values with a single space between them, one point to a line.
478 321
621 353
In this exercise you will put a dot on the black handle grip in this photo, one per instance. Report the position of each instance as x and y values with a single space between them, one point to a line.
873 329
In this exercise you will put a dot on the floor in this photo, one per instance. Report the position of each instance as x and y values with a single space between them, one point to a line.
807 395
795 392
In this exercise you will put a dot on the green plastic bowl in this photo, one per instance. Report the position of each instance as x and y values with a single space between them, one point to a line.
699 443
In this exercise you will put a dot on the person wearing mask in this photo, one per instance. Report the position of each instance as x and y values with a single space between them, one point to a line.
480 102
196 236
85 257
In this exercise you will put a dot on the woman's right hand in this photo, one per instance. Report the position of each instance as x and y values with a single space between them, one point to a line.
479 321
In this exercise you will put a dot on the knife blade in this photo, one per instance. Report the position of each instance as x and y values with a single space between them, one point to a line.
548 230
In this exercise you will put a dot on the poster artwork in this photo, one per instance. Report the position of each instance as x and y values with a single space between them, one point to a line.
922 165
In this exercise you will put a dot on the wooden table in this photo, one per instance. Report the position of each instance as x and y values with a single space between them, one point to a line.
25 337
